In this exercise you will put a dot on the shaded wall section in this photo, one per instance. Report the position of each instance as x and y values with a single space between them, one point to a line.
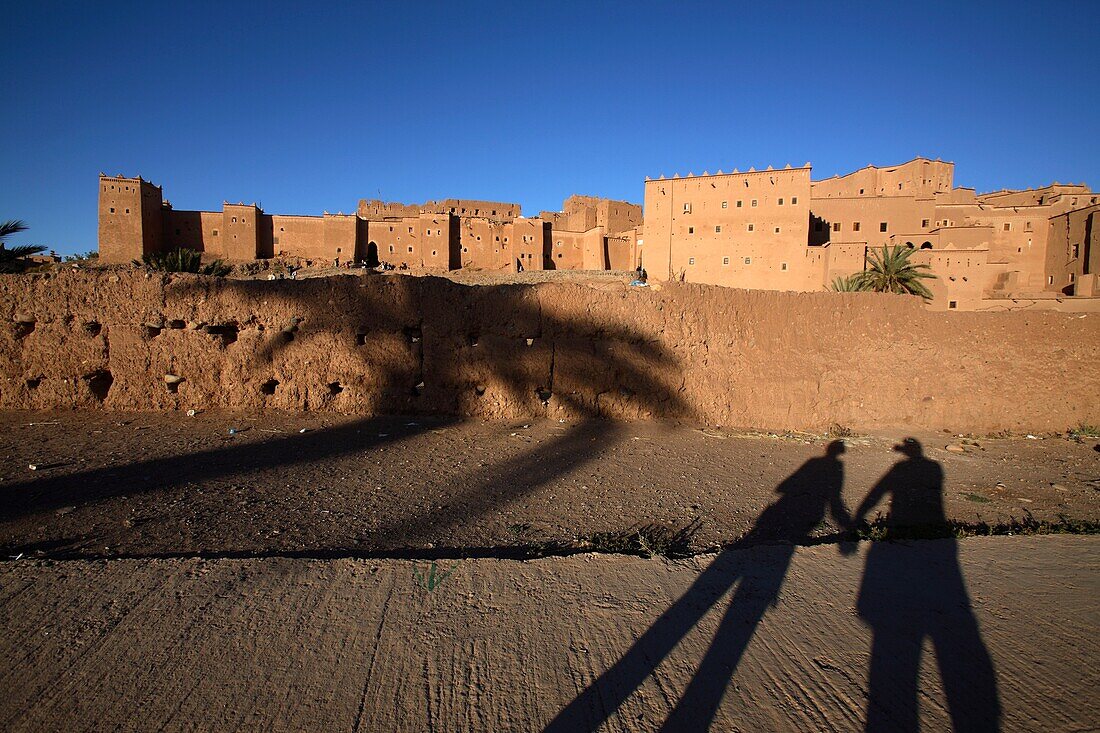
391 343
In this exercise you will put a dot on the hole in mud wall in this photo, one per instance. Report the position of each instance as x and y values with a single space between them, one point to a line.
92 328
361 338
479 389
23 329
413 334
33 382
335 388
227 332
471 339
544 395
99 383
177 324
268 387
148 333
287 334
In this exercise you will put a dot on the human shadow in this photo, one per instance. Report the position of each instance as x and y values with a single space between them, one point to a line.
805 497
907 597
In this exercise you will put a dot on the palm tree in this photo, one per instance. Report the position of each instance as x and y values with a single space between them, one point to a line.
892 272
851 284
11 260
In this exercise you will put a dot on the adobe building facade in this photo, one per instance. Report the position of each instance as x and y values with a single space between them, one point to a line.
778 230
774 229
135 220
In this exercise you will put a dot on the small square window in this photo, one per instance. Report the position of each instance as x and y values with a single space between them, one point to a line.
794 201
687 208
127 211
777 230
112 209
836 226
1076 250
882 227
234 220
724 204
725 260
754 202
691 230
783 266
952 304
752 227
861 192
855 226
215 232
780 201
1050 279
410 250
718 229
691 260
748 260
924 223
391 248
1008 227
433 253
739 203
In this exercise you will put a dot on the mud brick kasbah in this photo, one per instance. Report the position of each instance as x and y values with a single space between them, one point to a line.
771 229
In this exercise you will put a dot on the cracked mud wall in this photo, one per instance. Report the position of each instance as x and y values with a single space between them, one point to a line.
396 344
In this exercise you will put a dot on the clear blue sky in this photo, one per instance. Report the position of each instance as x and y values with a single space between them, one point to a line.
305 108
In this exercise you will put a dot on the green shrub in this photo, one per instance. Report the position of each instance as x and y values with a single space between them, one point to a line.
183 260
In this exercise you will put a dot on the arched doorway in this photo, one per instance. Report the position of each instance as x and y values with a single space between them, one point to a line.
372 255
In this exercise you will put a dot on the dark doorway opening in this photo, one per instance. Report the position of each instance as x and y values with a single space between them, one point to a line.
372 255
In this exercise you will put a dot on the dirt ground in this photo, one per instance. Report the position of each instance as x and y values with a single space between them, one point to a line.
562 643
168 485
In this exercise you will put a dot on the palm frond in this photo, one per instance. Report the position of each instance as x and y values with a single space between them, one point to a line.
854 283
183 260
12 259
11 226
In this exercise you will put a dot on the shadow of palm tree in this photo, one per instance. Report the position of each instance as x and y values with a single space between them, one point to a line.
907 597
805 497
410 345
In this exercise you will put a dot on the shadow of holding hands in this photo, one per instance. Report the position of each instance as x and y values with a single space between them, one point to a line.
908 593
908 596
805 496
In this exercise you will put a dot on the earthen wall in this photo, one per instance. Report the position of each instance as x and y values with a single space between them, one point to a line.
375 344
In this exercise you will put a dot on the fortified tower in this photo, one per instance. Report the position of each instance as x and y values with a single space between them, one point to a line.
129 218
